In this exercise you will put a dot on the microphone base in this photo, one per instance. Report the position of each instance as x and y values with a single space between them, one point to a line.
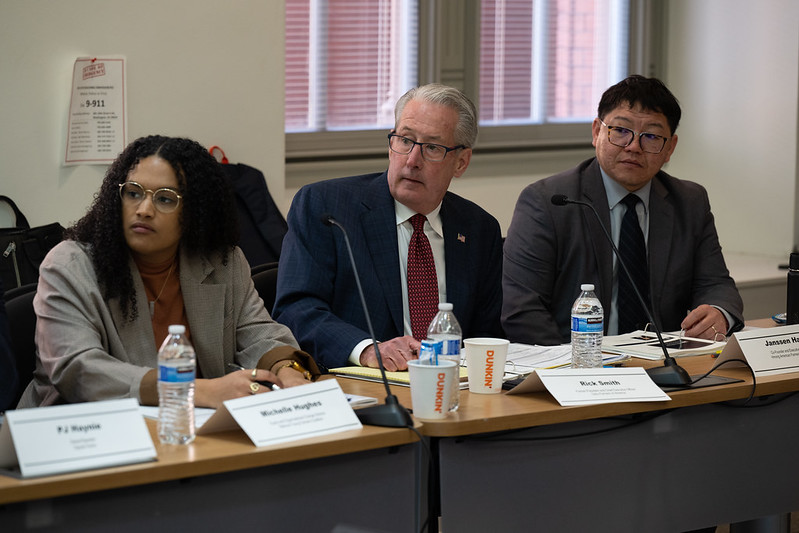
669 375
390 414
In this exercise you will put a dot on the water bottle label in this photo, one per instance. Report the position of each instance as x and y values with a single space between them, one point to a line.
176 374
430 351
451 347
582 324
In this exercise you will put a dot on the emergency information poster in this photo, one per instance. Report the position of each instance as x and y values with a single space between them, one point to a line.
97 127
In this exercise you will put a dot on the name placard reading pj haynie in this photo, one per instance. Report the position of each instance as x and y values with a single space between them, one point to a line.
68 438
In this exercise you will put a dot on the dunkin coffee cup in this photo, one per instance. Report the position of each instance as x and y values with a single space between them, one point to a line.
431 387
485 361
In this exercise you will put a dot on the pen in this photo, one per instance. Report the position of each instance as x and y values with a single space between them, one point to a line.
268 384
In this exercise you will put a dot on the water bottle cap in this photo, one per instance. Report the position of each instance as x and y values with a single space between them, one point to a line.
587 287
177 329
793 263
444 306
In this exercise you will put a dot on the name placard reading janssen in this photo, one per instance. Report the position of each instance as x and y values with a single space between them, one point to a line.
288 414
767 350
69 438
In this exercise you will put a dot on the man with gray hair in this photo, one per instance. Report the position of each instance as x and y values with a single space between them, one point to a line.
415 244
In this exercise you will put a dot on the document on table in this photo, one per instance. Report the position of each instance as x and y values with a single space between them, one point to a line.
201 414
645 345
373 374
524 358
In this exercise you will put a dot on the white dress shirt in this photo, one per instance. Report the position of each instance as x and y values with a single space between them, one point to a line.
434 229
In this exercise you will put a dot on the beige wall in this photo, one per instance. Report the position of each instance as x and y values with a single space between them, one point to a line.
734 65
197 68
214 72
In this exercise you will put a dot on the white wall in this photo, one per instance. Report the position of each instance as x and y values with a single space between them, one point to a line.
213 72
734 65
198 68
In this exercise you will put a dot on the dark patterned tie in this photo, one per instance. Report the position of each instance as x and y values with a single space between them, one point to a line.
422 282
632 250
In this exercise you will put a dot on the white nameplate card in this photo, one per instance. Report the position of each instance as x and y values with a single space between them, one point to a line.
768 350
288 414
68 438
586 386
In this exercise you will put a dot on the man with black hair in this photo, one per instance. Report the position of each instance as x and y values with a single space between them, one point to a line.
550 250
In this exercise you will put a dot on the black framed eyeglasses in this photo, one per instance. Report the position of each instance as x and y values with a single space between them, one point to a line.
430 151
165 200
623 137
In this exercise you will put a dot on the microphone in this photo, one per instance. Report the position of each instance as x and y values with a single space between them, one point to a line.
391 413
670 374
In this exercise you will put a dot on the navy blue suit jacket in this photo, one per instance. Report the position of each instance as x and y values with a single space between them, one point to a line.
317 296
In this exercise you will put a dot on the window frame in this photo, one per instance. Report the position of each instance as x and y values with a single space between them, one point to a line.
449 49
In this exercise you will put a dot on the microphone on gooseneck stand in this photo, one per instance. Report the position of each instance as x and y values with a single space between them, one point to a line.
391 413
670 374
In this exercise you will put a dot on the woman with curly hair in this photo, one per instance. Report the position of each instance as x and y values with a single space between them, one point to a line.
157 247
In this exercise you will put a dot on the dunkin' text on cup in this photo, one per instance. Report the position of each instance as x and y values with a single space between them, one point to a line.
489 375
440 392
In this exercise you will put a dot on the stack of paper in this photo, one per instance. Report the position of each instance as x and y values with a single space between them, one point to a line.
524 358
373 374
644 344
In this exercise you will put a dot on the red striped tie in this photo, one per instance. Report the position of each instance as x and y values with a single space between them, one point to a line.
422 281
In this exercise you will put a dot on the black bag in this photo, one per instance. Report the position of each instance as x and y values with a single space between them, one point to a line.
261 224
23 248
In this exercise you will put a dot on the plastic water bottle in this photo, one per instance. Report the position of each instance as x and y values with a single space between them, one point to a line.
176 370
445 329
587 329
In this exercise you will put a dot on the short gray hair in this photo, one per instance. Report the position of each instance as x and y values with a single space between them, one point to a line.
436 93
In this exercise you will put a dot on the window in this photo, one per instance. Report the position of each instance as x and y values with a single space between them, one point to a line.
549 61
347 62
542 66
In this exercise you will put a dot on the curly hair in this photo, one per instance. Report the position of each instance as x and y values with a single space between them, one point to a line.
208 220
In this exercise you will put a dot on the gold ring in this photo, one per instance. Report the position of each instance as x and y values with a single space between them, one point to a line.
254 387
254 371
714 329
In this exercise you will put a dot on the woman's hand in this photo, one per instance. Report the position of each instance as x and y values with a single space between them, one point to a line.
290 377
212 392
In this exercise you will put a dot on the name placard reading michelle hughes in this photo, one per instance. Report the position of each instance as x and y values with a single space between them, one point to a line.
285 415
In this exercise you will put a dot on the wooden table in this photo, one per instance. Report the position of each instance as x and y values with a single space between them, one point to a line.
222 482
510 463
504 463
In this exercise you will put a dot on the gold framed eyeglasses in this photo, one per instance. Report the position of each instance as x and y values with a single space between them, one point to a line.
624 137
165 200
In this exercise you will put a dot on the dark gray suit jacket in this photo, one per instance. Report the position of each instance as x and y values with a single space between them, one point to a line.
551 250
316 292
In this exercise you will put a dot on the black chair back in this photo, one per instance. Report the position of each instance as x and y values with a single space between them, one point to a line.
265 266
22 326
265 281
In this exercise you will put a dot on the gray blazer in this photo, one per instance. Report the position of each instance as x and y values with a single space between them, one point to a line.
551 250
87 351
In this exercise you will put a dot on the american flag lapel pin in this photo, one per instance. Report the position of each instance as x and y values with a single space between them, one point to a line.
462 237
